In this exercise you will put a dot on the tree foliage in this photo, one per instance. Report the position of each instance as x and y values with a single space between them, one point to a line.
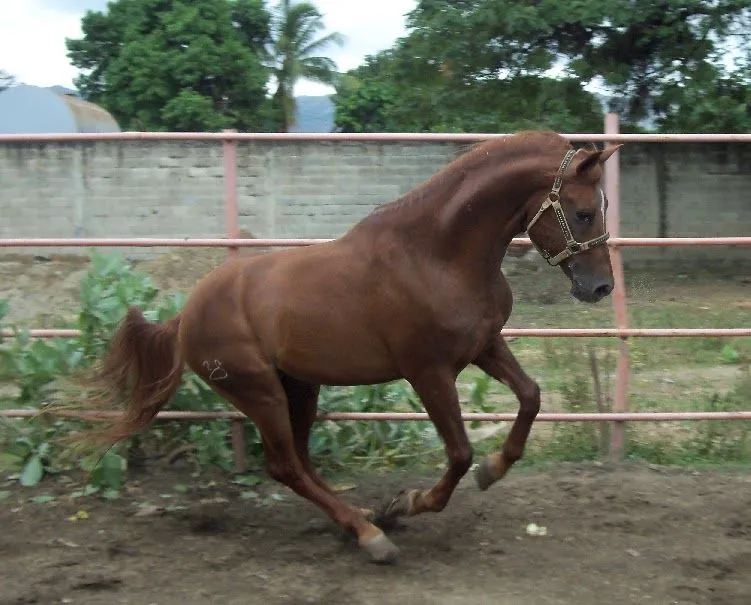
391 91
178 65
464 60
709 102
397 90
295 53
6 80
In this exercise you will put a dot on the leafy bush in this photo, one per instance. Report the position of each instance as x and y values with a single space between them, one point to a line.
574 442
34 374
39 369
376 444
723 440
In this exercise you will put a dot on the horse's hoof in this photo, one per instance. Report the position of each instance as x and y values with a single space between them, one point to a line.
368 513
399 506
485 475
381 549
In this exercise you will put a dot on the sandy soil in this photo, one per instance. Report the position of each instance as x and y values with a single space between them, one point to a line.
626 535
632 534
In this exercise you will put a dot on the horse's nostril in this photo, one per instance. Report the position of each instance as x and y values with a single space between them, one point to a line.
603 290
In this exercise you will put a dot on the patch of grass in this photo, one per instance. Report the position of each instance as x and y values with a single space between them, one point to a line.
38 371
667 374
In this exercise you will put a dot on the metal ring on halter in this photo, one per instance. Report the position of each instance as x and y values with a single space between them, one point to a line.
553 200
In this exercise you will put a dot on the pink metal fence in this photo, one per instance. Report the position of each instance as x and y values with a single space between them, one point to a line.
619 416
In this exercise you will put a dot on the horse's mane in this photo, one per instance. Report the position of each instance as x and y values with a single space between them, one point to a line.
525 140
473 156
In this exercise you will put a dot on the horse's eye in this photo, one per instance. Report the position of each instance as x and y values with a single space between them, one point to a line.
585 217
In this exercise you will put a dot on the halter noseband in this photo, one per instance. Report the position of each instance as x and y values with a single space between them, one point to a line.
553 201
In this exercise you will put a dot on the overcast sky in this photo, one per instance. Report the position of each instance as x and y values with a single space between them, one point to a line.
33 32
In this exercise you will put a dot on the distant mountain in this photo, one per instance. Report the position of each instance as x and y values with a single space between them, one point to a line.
62 90
314 114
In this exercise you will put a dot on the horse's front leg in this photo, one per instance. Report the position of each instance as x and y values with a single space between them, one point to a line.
437 390
498 361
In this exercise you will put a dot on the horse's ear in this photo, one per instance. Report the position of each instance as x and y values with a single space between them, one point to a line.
596 157
606 153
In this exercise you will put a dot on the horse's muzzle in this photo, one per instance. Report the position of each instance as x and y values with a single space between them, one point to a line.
591 290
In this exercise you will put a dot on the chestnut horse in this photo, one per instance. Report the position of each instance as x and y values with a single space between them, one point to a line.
413 291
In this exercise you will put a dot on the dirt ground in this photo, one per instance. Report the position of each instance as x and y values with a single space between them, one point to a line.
625 535
44 289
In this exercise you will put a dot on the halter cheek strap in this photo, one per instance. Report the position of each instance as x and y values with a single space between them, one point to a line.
553 201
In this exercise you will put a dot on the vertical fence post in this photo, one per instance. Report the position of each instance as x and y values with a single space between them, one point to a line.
612 190
231 227
231 230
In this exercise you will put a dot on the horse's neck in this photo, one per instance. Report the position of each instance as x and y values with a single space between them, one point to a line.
467 215
483 215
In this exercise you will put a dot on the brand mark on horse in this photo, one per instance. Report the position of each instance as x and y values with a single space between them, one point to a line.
216 371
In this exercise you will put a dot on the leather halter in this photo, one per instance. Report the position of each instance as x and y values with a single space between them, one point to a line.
553 201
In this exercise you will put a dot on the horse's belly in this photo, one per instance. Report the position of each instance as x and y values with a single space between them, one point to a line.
335 361
332 352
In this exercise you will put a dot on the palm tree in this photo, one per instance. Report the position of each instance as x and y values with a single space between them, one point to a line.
294 53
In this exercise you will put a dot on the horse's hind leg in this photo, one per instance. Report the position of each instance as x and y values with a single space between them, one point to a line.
260 396
302 398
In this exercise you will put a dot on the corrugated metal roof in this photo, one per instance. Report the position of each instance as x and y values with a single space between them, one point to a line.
90 117
26 109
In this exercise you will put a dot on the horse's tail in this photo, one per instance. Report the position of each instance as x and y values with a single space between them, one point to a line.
142 370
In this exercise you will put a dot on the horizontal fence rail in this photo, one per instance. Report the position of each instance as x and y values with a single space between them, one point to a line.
509 332
396 137
233 242
219 242
411 416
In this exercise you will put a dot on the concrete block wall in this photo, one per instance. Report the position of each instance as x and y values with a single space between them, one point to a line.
107 189
686 190
319 189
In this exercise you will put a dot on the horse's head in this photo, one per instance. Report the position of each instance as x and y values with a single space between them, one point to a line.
568 227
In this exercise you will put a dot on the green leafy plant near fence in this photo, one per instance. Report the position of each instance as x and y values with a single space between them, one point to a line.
37 370
705 442
711 441
34 374
372 444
